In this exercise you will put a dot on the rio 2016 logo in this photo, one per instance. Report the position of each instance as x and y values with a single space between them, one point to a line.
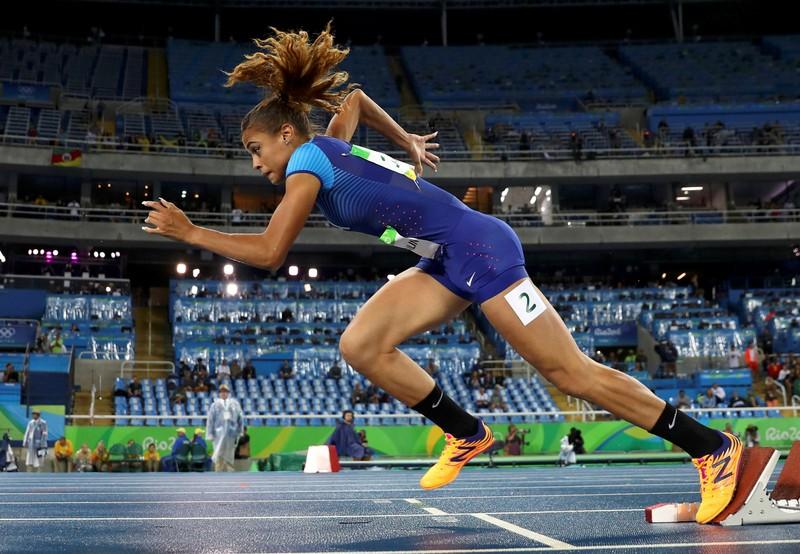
529 307
789 434
160 445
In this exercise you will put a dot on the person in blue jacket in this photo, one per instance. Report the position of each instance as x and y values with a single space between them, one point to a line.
347 441
169 463
466 257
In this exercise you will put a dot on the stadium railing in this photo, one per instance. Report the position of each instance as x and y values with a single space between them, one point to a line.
565 219
499 153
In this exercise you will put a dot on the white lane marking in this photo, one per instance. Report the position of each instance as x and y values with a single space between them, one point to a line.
527 533
351 499
430 512
271 490
413 501
611 547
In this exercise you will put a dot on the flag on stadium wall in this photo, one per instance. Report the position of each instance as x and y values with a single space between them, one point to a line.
67 158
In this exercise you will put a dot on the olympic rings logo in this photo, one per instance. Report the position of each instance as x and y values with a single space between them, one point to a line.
7 332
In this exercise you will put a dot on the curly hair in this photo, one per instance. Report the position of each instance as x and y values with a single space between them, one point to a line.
297 75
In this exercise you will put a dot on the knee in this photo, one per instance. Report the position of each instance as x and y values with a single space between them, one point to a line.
571 375
355 350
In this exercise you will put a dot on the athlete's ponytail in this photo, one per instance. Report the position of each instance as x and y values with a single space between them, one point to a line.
297 76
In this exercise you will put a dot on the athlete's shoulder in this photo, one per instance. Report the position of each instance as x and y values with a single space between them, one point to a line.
311 158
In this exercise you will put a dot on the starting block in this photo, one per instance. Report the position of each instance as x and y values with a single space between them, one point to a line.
750 504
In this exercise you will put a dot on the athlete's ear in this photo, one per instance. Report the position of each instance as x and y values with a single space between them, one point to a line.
287 133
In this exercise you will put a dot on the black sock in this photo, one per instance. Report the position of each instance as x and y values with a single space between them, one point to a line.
686 433
440 409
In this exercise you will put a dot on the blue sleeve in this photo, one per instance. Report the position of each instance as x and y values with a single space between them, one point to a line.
309 158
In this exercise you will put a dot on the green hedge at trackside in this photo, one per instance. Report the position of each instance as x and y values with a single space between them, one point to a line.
426 441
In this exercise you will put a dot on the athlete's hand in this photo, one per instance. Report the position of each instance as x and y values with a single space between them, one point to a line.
167 220
418 149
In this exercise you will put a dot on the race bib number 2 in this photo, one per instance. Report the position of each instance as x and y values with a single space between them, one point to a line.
526 302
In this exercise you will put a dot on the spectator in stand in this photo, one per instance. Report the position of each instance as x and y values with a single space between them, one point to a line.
683 402
358 396
474 380
200 366
83 459
751 436
690 140
236 371
783 375
223 371
152 459
134 388
771 399
641 358
752 358
335 371
249 371
11 375
62 452
286 371
566 454
100 457
734 358
431 368
669 357
57 343
497 399
482 399
774 367
719 393
737 401
709 400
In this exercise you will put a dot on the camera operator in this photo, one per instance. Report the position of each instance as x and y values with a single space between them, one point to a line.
515 440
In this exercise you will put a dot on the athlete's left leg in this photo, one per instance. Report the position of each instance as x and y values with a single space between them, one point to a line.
546 343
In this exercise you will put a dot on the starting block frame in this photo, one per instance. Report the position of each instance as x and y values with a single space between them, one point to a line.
751 505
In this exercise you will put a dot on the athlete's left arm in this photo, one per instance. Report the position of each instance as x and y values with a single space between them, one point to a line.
266 250
360 108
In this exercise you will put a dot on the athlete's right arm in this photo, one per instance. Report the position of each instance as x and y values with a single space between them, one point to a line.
266 250
360 108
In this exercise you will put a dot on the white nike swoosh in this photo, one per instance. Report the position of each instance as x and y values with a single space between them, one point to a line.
435 404
469 281
671 425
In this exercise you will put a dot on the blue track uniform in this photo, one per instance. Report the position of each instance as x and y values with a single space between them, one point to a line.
478 255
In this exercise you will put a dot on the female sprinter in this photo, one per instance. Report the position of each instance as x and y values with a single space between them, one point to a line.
466 257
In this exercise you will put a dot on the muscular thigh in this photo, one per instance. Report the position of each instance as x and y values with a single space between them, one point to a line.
545 342
411 303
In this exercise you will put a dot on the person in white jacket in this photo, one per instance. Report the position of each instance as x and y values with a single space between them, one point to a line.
567 454
223 427
35 441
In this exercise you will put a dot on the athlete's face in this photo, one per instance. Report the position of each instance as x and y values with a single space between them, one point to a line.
270 152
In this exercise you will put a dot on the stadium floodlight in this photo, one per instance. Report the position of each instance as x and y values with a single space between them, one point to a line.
113 255
232 289
95 254
55 252
391 276
312 272
533 199
30 252
681 276
227 269
687 189
195 273
503 195
193 290
181 268
102 254
294 271
681 198
664 275
2 258
108 289
35 251
307 287
537 191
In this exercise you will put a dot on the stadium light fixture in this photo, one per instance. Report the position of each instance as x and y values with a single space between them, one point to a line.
108 289
313 273
681 198
95 254
232 289
2 257
35 251
195 273
503 195
102 254
663 275
687 189
537 191
294 271
181 268
681 276
30 252
113 255
307 287
227 269
391 276
193 290
55 252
